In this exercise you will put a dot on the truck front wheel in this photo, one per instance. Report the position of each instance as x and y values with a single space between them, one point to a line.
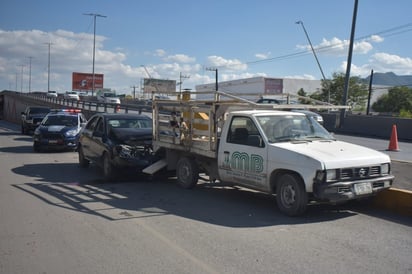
187 173
291 195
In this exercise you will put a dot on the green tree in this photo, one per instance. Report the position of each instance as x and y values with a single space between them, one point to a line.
333 90
397 100
301 92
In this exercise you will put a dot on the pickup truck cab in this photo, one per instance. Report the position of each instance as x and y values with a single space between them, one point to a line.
290 155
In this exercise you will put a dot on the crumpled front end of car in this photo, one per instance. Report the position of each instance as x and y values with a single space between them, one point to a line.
128 156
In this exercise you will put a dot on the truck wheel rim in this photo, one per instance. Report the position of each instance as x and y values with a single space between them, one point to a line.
288 195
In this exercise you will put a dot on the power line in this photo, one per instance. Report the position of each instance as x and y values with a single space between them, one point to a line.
329 47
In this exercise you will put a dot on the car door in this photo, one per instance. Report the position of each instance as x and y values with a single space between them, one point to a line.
243 155
86 138
97 140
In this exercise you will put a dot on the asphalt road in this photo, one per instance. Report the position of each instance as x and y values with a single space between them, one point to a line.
58 218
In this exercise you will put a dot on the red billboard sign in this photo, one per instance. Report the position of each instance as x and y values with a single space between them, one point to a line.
84 81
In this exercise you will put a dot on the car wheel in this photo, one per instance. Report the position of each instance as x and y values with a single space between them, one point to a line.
83 162
36 148
291 195
108 169
23 130
187 173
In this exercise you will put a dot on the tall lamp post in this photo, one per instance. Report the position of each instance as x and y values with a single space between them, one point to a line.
30 58
94 42
48 68
314 54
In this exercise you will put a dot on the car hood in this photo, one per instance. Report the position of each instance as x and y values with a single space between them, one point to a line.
336 154
56 129
132 136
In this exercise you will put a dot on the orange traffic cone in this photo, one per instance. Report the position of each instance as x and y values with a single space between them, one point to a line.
393 143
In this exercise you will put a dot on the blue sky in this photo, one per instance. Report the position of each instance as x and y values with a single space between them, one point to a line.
241 38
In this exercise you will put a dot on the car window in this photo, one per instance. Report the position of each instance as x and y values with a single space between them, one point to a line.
243 131
99 126
92 123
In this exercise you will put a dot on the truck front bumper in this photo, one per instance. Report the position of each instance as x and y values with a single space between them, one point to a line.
344 191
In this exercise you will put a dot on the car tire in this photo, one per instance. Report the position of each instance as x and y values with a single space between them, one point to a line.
23 130
36 148
108 169
83 162
187 173
291 195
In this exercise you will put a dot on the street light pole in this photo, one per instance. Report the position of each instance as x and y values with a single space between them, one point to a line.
314 54
48 68
94 42
30 58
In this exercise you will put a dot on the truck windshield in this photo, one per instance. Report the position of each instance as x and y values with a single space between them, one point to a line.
283 128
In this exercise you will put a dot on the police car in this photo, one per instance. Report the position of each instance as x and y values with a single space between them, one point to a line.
59 130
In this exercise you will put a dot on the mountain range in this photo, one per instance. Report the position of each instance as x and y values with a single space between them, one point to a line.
390 79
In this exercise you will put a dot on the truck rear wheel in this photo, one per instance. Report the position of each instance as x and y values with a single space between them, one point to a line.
187 173
291 195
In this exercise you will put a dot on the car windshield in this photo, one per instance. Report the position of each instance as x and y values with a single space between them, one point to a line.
130 123
283 128
39 110
110 95
60 120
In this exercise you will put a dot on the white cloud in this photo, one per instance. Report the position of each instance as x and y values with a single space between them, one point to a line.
263 56
336 46
180 58
160 53
229 64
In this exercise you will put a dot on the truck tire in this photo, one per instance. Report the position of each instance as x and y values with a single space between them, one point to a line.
291 195
187 173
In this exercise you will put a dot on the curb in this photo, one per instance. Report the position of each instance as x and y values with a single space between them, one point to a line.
396 200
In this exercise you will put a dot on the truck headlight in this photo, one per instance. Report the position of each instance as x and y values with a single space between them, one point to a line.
331 175
385 168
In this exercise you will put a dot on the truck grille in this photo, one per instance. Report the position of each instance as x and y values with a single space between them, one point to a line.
360 172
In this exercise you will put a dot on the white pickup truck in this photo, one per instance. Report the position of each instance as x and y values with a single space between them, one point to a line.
283 153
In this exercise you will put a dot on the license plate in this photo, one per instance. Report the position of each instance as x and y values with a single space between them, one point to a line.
52 141
363 188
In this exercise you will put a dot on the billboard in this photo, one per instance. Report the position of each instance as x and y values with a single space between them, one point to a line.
273 86
158 85
84 81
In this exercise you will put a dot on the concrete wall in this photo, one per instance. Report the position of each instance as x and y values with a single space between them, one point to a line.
373 126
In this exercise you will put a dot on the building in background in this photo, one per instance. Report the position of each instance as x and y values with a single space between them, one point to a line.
262 86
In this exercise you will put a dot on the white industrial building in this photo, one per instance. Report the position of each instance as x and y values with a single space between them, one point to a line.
263 86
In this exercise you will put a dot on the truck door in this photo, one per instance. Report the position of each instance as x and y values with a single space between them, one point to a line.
242 156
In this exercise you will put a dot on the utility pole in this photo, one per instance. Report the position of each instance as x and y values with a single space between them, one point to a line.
216 76
30 58
48 68
348 65
94 43
134 91
181 80
21 78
